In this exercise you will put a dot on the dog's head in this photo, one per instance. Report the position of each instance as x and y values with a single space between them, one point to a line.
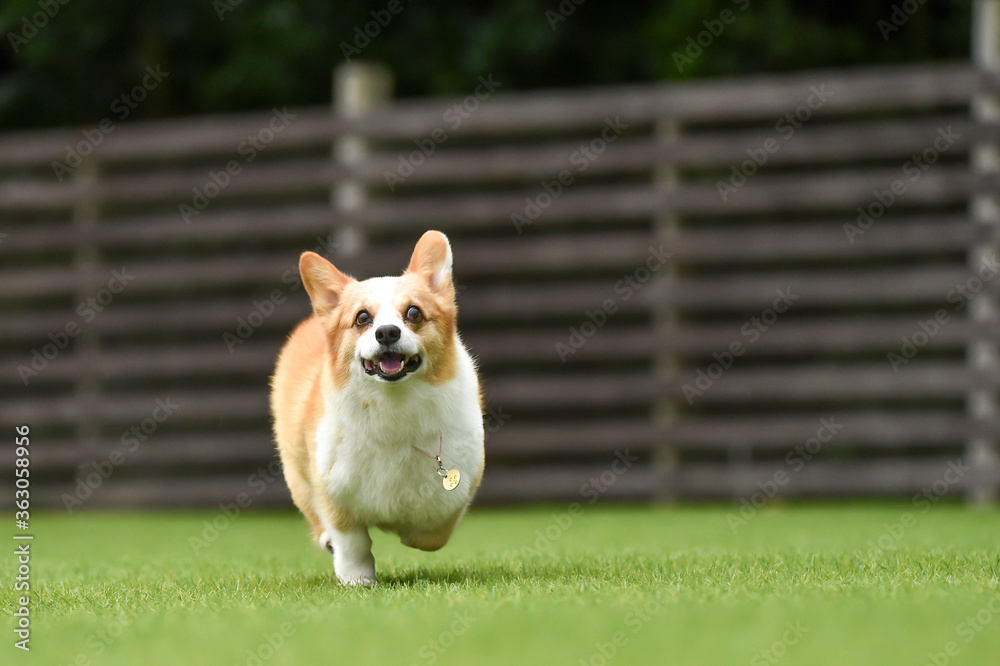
388 329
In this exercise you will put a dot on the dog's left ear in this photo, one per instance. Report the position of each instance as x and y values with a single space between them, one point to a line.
432 260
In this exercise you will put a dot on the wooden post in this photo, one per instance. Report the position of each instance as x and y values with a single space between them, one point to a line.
358 88
667 228
87 267
983 404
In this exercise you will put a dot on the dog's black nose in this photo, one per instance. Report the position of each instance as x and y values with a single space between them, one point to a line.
386 335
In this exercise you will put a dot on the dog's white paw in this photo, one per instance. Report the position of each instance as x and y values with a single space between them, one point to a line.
363 581
325 542
355 573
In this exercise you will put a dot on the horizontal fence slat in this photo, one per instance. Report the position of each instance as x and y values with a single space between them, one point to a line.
505 484
829 335
208 227
804 238
178 492
171 139
524 391
562 483
863 478
823 239
783 431
898 87
571 438
206 406
159 449
827 382
816 335
173 188
810 288
893 139
793 194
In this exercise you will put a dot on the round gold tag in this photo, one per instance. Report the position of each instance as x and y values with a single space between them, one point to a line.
451 481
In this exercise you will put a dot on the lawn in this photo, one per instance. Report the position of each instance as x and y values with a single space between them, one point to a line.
813 584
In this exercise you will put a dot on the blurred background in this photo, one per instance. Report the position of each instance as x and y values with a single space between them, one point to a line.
713 249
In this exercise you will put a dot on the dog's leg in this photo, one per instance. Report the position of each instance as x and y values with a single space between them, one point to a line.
302 496
353 561
434 539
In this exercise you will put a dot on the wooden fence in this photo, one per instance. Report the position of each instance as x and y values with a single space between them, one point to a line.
686 290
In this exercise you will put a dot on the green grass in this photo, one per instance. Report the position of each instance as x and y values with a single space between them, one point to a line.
670 585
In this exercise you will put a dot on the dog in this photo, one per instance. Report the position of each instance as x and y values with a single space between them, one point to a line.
377 409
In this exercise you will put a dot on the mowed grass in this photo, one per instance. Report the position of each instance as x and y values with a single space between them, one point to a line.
609 584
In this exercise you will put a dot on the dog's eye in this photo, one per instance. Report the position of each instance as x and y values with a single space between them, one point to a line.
363 318
413 314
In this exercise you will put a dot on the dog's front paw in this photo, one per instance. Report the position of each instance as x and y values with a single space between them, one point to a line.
355 573
325 542
362 581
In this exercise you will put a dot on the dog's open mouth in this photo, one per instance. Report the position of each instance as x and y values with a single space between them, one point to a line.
391 366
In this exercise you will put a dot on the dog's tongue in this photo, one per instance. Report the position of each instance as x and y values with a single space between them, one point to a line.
390 363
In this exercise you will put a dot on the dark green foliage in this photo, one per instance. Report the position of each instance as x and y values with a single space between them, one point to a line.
261 54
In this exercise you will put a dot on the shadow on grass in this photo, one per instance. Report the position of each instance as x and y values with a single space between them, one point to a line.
471 575
449 575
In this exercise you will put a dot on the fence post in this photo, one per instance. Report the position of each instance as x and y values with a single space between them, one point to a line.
358 88
87 269
983 404
667 228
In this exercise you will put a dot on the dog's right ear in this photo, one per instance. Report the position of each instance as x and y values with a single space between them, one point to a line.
323 282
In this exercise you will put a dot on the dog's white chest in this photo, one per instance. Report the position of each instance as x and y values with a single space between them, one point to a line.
367 450
393 485
376 468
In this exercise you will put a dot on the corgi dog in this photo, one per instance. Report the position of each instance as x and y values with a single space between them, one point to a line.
377 409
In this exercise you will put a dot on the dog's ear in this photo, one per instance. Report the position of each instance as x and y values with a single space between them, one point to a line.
432 260
324 283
